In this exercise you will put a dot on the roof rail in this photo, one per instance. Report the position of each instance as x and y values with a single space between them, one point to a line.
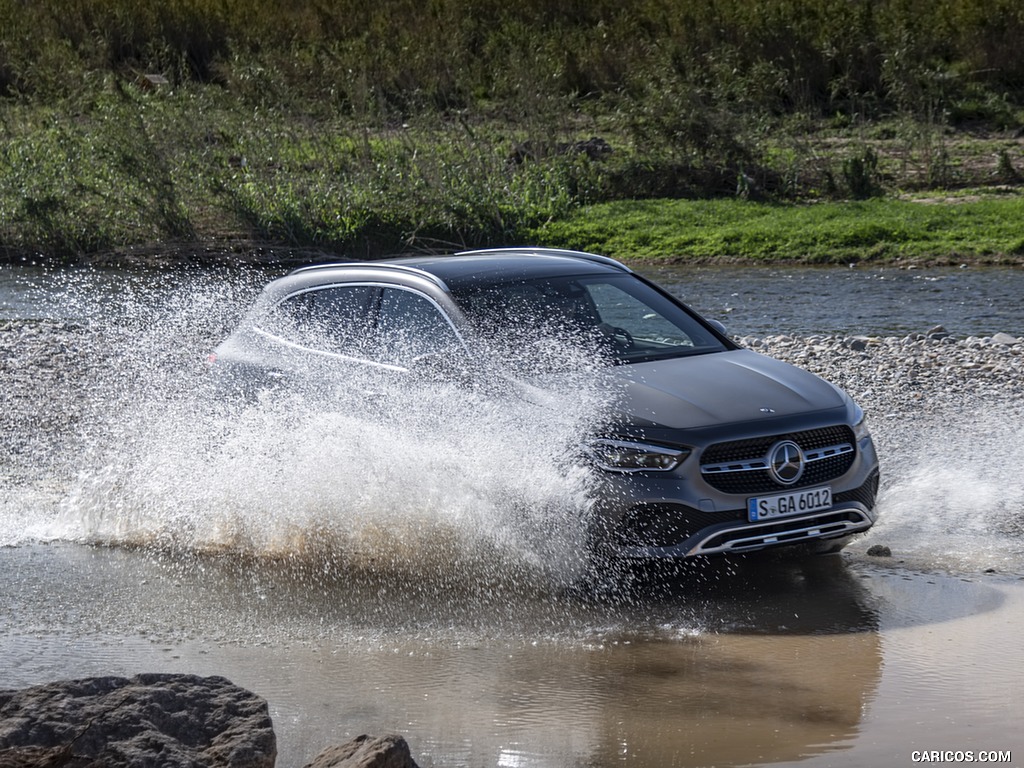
373 265
322 265
535 251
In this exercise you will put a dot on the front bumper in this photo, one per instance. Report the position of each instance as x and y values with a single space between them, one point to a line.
734 538
662 517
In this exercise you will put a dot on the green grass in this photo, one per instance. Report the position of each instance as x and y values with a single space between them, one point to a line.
370 128
136 168
988 230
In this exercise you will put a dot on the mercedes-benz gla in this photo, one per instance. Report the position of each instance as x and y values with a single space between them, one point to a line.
707 447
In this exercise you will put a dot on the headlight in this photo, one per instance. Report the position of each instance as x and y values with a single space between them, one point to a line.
860 424
628 456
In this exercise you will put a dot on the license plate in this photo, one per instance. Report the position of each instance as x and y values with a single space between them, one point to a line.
784 504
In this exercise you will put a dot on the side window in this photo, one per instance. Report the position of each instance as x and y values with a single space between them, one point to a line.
409 325
334 319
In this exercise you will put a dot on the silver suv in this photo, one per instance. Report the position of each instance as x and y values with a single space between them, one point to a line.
707 448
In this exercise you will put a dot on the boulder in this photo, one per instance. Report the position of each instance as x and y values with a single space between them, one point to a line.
160 720
366 752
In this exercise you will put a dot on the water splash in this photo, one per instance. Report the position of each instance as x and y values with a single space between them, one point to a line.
364 473
444 486
954 493
110 437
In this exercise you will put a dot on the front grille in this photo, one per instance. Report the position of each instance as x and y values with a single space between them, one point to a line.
720 463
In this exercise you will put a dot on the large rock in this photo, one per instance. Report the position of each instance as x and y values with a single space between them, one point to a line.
147 721
366 752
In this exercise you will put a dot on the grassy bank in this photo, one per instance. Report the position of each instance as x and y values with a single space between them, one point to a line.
154 169
701 130
923 231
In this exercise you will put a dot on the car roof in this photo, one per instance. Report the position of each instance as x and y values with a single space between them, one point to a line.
495 265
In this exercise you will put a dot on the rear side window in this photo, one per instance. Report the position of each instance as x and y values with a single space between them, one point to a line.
334 319
382 324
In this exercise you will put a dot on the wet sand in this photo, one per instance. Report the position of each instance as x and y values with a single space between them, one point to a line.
840 661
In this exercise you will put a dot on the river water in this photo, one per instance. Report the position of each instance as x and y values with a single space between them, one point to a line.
750 301
420 576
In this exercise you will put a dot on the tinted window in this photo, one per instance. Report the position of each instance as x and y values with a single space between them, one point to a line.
617 316
410 325
335 319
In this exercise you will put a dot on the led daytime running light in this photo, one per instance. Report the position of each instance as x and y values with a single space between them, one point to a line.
629 456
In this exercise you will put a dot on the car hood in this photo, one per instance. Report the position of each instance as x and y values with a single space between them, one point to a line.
718 388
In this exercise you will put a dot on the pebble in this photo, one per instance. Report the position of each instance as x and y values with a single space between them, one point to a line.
895 374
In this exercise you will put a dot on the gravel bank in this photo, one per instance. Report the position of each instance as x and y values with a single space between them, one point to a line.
918 373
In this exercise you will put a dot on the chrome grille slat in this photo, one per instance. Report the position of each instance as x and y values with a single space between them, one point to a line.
742 466
760 464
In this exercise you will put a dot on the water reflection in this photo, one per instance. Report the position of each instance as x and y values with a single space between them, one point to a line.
672 671
733 700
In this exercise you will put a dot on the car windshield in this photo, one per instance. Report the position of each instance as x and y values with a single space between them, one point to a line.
618 317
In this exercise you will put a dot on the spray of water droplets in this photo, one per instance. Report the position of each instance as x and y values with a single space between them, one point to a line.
366 472
112 436
954 493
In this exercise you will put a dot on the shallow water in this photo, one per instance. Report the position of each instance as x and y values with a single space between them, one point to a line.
843 662
977 301
421 574
852 301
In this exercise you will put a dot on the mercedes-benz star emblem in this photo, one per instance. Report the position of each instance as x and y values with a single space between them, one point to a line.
786 462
